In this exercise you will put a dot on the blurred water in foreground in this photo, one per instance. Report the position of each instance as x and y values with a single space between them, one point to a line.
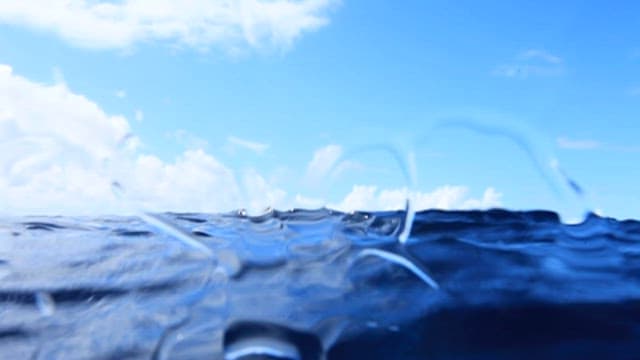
320 284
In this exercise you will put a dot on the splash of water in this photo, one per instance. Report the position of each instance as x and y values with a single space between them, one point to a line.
525 138
156 221
278 341
400 255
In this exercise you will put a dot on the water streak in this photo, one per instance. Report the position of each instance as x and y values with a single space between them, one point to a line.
495 269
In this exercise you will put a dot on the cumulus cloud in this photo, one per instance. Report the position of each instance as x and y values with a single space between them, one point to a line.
59 152
34 112
259 194
446 197
195 181
305 202
194 23
530 63
50 141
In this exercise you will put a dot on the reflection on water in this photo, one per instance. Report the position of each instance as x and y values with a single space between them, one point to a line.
295 285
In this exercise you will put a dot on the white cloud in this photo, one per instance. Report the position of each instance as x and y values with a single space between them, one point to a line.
305 202
259 194
248 144
446 197
50 141
59 153
575 144
195 181
490 198
121 94
532 62
194 23
33 112
323 161
139 115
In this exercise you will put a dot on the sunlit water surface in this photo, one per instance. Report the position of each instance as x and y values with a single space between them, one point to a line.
297 285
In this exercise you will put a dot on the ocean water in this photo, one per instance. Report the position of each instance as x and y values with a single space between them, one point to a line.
320 284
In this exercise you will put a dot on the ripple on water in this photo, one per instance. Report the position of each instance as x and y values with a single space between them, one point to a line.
117 287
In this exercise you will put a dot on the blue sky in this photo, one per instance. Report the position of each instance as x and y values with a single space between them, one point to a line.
263 101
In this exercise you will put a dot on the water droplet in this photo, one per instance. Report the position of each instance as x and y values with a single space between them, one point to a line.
229 261
176 232
45 303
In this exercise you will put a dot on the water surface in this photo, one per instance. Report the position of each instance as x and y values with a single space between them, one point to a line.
297 284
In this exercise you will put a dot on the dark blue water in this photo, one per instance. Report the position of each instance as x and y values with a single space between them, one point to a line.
298 285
